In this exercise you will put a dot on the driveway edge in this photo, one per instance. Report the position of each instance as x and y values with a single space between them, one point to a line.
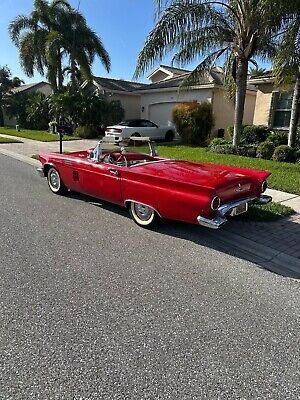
20 157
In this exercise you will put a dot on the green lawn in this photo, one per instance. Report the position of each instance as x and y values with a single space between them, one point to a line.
41 136
268 212
285 176
8 140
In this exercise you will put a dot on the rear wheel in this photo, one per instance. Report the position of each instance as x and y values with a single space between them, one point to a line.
143 215
169 136
54 181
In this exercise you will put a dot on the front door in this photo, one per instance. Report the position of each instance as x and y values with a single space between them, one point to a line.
102 180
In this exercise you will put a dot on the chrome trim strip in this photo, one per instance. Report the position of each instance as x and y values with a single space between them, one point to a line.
226 209
147 205
149 162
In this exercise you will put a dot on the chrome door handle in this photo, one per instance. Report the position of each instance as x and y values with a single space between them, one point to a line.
114 171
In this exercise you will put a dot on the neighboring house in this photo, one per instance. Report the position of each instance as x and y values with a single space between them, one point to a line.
118 89
42 87
156 101
273 104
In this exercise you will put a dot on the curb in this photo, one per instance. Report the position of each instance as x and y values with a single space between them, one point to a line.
20 157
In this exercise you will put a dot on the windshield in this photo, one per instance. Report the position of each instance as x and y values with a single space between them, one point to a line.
125 123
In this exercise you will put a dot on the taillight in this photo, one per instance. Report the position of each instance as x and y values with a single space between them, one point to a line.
215 203
264 186
117 130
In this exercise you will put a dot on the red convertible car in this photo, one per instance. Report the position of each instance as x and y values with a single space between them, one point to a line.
152 187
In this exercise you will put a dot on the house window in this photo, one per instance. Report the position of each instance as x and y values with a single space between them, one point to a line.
282 109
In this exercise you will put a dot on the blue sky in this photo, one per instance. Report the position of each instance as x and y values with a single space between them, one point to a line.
122 25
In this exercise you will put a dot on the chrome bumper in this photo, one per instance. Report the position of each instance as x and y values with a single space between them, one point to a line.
40 171
225 209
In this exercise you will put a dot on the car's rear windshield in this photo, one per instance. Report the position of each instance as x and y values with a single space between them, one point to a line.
125 123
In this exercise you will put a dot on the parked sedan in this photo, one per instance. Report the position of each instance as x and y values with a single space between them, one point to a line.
139 128
152 188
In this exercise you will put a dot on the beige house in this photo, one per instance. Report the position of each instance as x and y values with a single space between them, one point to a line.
41 87
273 104
155 101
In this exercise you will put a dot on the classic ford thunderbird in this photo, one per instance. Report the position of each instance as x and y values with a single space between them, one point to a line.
152 187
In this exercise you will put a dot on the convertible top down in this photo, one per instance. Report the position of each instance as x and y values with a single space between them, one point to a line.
152 187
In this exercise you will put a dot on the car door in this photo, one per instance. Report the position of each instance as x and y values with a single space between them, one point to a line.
149 129
102 180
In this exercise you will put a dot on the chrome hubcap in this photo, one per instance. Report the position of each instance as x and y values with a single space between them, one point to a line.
54 179
143 212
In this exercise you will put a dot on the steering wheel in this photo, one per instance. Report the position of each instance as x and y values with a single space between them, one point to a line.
115 157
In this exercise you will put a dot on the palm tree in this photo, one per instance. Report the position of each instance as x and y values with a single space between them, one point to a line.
256 71
238 30
6 84
81 45
34 37
287 68
52 33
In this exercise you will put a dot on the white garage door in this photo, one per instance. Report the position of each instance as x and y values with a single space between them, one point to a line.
161 113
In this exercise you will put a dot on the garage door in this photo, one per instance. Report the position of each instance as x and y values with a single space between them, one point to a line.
161 113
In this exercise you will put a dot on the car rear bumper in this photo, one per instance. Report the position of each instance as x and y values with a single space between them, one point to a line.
225 210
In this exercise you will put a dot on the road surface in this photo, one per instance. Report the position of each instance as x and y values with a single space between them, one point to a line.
94 307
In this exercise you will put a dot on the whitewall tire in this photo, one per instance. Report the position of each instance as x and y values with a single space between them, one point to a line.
54 181
143 215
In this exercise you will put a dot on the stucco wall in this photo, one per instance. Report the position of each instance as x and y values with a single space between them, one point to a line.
263 104
130 103
149 101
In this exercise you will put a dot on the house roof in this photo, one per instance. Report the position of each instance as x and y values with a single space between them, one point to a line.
213 77
168 71
24 88
266 77
118 84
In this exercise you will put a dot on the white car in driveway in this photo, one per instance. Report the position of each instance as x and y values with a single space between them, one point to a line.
140 128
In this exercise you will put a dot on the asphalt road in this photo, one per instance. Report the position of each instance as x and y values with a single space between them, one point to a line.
94 307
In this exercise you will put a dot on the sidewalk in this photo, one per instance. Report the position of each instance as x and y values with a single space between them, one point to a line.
274 245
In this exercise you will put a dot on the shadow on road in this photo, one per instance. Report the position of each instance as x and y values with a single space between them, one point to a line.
221 240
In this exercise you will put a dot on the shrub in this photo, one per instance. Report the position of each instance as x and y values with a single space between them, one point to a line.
193 122
87 132
223 149
254 134
278 138
247 151
217 142
265 150
284 153
230 129
251 134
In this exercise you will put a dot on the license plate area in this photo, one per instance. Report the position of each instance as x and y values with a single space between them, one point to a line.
242 208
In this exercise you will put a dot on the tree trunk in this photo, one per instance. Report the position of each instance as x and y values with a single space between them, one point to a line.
294 113
240 97
73 75
1 117
60 77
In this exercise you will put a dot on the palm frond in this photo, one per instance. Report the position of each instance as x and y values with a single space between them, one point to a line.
178 18
19 24
194 78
